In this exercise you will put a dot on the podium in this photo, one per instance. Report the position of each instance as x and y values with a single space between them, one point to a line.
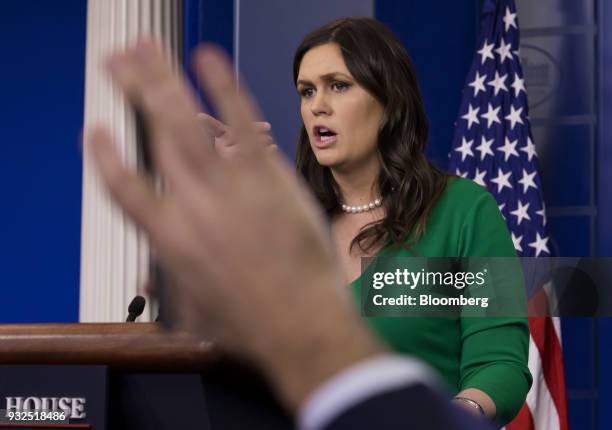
136 376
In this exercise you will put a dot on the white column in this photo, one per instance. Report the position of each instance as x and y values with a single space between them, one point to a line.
114 255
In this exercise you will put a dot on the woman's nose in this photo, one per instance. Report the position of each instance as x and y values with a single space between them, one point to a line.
320 104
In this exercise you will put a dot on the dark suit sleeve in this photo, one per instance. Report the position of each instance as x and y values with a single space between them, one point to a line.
415 407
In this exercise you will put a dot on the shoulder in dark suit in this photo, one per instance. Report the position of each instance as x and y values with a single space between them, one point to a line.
415 407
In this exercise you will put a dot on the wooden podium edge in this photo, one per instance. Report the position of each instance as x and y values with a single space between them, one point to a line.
122 346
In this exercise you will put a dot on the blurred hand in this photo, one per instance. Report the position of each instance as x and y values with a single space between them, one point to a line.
243 242
225 141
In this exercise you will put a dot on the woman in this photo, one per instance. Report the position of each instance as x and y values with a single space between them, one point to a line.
361 150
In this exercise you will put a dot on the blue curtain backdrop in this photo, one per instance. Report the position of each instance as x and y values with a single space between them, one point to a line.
206 21
604 201
441 44
42 80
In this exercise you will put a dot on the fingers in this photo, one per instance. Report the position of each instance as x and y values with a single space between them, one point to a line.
213 126
149 82
224 140
131 191
217 128
234 105
262 126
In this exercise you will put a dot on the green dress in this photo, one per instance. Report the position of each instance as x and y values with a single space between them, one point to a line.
489 354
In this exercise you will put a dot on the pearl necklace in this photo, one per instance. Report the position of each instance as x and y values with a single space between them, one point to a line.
363 208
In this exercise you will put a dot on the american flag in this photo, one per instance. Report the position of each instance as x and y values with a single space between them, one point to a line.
493 147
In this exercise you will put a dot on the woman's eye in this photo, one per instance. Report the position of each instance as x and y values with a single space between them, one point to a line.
306 92
340 86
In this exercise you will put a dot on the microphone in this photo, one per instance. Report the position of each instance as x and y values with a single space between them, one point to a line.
135 308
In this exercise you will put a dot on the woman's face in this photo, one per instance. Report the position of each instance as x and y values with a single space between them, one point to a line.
340 117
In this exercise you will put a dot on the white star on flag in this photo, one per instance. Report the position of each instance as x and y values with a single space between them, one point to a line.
529 149
502 180
471 116
504 51
509 19
465 149
542 213
540 245
479 178
528 180
486 52
498 82
485 148
460 173
478 84
501 209
514 116
518 84
509 148
517 242
491 115
521 212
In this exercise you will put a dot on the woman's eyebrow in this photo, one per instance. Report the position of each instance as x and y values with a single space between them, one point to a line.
326 78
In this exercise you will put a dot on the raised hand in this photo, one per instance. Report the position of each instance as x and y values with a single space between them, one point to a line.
243 242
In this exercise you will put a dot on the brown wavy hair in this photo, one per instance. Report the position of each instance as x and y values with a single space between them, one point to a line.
409 183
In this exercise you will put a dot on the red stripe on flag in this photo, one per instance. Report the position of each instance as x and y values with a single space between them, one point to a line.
523 421
545 337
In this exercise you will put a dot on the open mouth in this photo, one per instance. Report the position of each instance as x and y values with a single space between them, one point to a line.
324 135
